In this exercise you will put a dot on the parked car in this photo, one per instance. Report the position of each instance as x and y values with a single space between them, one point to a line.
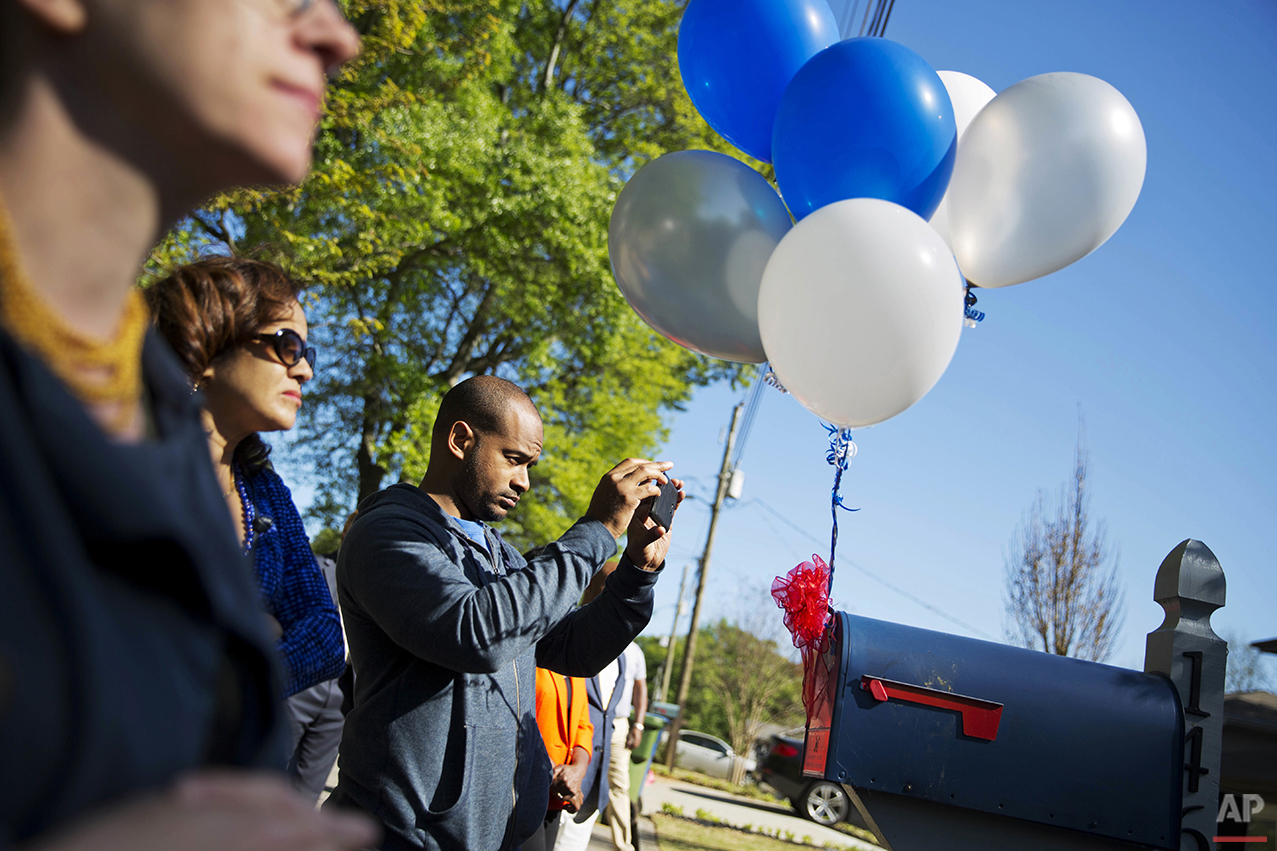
819 800
708 755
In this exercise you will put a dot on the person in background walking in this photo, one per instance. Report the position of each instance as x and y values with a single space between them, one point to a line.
609 705
240 333
137 686
564 720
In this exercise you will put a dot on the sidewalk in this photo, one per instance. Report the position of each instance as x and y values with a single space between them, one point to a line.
740 811
601 838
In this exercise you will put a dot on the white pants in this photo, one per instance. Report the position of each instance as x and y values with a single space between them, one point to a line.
573 836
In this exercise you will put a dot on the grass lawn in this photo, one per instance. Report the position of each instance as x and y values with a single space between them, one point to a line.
682 834
858 832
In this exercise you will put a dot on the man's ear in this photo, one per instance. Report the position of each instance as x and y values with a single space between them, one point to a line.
461 438
63 17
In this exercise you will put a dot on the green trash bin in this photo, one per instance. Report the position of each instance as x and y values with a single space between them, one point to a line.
641 757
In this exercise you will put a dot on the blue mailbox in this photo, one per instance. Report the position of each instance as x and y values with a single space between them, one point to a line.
1007 731
946 741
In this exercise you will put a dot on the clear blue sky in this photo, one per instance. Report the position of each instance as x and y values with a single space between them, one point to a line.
1163 338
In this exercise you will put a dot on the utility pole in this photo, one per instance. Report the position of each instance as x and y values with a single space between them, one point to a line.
669 651
685 675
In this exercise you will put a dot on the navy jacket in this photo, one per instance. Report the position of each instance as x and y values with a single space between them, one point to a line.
442 744
132 643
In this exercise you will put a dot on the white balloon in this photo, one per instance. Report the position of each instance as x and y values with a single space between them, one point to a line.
1045 174
860 310
968 96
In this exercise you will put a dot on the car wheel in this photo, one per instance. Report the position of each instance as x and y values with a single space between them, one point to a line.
825 803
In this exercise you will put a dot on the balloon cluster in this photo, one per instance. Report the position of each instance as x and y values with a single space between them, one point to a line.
901 187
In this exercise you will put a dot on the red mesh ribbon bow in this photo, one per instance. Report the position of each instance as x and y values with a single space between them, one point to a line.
804 595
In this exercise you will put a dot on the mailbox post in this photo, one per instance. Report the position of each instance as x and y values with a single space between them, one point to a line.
1190 587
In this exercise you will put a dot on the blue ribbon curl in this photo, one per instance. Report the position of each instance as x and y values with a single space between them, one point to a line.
968 311
841 450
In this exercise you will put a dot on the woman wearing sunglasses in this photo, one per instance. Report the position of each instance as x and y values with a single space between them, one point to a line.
138 696
240 333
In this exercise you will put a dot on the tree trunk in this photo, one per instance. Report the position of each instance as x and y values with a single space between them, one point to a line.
370 473
547 77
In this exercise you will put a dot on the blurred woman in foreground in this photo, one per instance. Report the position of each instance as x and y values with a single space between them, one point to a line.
135 674
238 329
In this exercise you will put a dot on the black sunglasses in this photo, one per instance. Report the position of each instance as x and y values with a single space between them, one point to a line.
289 347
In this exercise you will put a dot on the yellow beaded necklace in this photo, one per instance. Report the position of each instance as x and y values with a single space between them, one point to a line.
96 372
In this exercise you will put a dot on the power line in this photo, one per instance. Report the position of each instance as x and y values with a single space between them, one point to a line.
849 15
902 592
751 412
873 27
689 654
874 22
882 30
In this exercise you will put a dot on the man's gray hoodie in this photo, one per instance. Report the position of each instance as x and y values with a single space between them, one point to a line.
442 745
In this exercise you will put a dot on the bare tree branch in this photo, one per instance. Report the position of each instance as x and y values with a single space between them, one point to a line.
219 230
460 364
1063 592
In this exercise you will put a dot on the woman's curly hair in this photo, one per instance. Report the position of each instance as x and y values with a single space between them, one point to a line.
207 308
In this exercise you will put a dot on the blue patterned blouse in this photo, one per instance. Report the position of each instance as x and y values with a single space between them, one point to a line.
292 587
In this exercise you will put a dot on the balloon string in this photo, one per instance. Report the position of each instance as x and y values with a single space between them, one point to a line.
841 451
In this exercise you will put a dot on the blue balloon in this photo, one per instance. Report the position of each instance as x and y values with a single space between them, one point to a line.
867 118
737 57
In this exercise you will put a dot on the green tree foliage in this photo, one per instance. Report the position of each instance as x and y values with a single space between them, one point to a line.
753 684
456 224
740 682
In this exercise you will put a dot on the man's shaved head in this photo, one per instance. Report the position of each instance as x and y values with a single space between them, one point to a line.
483 402
487 437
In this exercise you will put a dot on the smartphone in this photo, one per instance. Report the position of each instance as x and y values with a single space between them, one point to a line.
663 508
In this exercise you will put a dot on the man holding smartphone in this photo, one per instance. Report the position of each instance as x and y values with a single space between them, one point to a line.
447 624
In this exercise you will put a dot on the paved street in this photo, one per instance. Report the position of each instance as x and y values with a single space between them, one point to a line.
739 811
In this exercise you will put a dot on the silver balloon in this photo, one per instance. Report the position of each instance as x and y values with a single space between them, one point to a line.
690 236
